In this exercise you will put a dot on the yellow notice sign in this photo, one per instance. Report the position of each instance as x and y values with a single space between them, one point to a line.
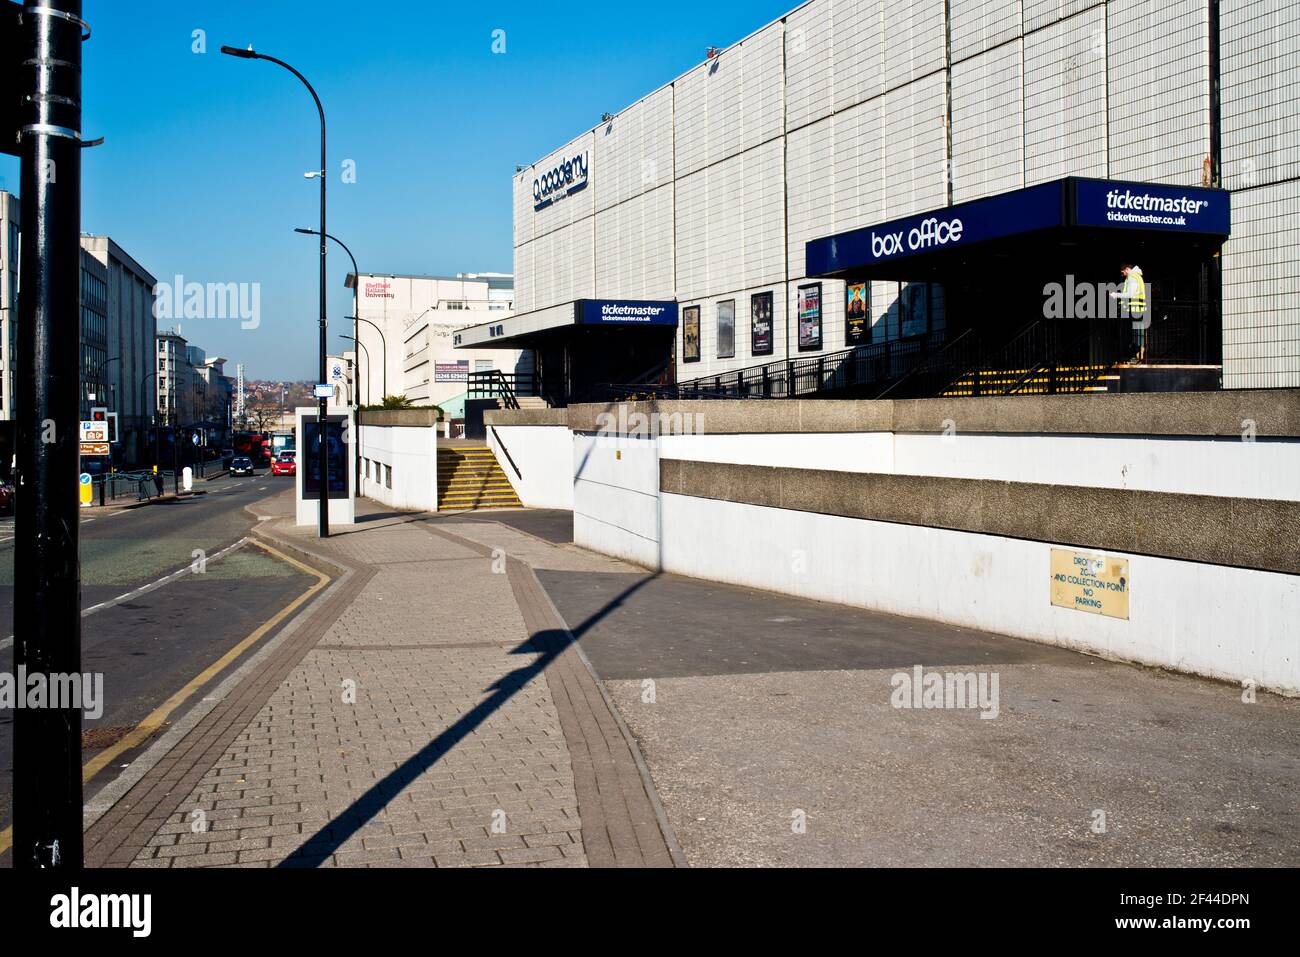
1091 582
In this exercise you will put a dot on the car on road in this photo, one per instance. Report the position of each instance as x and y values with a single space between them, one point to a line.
285 463
242 465
6 498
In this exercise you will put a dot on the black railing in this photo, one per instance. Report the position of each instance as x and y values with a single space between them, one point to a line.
509 458
506 387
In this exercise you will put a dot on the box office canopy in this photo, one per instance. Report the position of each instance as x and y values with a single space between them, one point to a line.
1061 214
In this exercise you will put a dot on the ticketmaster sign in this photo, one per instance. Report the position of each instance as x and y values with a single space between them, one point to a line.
624 312
1061 204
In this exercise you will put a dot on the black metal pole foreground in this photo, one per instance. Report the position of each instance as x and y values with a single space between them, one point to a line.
47 577
323 529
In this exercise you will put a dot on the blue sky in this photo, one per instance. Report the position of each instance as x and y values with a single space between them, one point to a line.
201 172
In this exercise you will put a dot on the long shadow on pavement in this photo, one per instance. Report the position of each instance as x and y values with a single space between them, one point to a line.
551 643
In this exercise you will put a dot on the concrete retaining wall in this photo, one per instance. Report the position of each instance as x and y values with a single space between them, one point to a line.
399 464
950 509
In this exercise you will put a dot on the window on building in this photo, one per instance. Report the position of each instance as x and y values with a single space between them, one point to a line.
454 304
388 476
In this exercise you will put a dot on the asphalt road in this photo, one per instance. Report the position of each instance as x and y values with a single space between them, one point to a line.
150 645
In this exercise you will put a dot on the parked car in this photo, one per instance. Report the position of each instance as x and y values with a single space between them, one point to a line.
6 498
242 465
285 463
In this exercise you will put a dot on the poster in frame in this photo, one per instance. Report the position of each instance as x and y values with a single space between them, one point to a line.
810 317
727 329
691 334
760 307
857 313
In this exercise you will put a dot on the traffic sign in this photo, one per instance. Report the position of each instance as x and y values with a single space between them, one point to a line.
94 448
325 391
92 431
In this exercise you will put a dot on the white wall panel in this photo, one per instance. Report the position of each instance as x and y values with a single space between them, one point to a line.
633 153
1065 99
987 126
914 43
1041 13
915 147
634 249
1260 71
1159 96
1261 289
978 25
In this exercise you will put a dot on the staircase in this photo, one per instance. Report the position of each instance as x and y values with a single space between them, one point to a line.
471 477
524 402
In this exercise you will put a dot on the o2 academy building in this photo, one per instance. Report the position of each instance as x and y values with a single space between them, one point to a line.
931 197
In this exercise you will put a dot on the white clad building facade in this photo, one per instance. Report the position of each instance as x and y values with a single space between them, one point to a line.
407 343
846 114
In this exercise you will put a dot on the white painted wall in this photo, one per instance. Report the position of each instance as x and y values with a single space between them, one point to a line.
1268 468
544 454
412 454
1212 620
615 496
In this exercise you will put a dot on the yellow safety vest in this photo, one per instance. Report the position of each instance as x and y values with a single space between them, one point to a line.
1137 303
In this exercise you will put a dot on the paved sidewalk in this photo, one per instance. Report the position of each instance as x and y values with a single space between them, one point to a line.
430 710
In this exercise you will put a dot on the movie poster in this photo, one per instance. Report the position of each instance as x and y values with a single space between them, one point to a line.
810 317
760 305
857 324
691 334
727 329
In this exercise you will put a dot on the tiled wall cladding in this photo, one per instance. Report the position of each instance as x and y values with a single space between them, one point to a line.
634 247
730 103
915 147
987 132
914 45
1261 289
1065 98
1159 89
1260 73
1037 14
979 25
634 153
696 195
833 52
731 224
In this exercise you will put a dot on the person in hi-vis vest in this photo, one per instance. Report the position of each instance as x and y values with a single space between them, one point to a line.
1133 305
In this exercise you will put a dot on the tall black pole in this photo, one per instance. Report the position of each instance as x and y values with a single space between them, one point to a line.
323 529
356 283
47 575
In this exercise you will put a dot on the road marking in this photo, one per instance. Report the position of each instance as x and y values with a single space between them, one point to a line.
152 722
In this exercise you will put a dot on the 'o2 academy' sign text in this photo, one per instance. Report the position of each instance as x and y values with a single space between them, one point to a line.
567 176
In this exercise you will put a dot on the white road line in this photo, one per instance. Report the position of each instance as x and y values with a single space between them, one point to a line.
143 589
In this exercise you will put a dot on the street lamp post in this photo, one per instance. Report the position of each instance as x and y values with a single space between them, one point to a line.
384 343
97 382
323 529
367 352
144 405
356 282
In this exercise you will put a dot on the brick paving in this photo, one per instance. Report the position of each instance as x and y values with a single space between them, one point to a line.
431 711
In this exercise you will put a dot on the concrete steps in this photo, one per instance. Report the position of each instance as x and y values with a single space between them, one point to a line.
470 477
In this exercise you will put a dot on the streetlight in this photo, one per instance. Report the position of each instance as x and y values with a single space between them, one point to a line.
367 352
144 405
323 529
383 342
96 380
356 277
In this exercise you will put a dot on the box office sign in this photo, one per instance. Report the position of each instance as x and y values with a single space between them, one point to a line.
451 371
1090 582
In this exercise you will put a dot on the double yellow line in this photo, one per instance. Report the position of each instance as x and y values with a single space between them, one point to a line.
158 717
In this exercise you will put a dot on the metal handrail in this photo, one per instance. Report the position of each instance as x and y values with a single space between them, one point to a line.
509 458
